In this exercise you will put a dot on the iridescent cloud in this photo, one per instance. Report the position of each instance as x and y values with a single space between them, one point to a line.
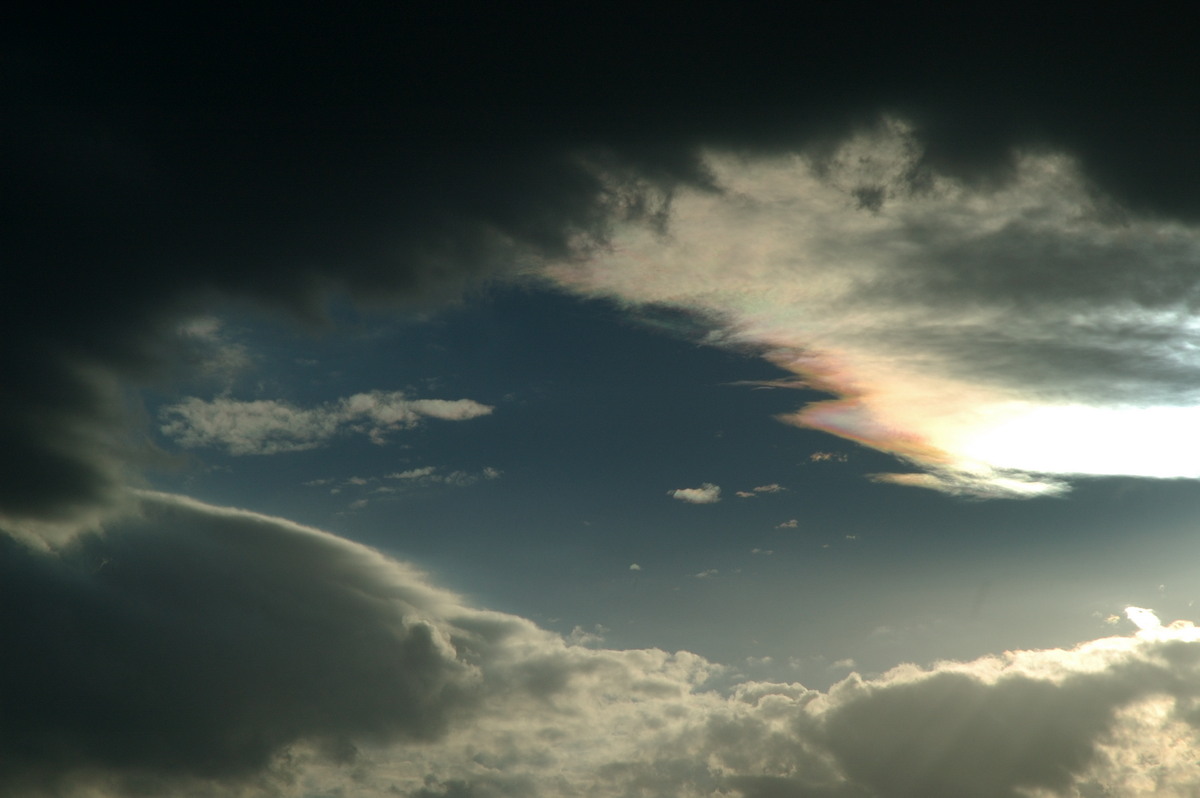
998 336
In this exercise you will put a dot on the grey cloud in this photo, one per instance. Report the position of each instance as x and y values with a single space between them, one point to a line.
197 642
951 735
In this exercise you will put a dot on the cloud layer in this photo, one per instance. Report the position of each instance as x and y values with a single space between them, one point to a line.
194 650
982 331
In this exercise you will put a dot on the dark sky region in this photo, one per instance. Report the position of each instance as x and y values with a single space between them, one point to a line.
474 400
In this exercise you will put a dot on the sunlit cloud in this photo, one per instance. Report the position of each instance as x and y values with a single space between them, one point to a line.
1001 337
268 426
323 667
707 493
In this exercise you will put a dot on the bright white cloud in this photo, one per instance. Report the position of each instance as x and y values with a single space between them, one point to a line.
270 426
707 493
998 335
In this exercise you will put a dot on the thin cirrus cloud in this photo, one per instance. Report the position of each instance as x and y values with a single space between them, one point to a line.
920 302
271 426
323 667
707 493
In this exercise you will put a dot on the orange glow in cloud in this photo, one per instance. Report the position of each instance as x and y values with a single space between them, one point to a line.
996 337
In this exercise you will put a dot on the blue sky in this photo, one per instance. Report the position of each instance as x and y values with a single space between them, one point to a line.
463 403
542 506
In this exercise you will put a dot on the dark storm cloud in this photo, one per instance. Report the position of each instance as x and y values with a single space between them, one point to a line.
155 163
193 642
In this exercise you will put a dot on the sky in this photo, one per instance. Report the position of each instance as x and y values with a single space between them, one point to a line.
465 402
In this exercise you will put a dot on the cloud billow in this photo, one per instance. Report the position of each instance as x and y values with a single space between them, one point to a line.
192 649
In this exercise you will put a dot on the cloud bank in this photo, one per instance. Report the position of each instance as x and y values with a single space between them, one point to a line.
983 332
194 650
270 426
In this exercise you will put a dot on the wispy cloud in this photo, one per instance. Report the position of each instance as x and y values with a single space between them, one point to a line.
707 493
429 475
983 332
271 426
789 524
750 494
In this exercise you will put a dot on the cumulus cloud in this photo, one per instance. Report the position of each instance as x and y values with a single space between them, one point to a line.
196 642
707 493
190 649
791 523
980 331
271 427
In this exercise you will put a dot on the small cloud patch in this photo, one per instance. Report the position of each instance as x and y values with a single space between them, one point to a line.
707 493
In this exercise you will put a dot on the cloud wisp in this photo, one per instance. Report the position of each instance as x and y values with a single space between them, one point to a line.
271 427
194 650
981 331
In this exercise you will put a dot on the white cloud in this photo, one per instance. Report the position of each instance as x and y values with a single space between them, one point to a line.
635 567
270 426
983 332
791 523
707 493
